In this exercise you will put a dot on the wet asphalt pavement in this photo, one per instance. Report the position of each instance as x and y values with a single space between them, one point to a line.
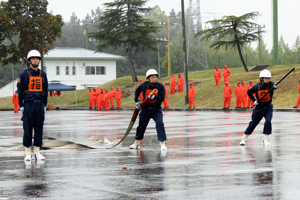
203 160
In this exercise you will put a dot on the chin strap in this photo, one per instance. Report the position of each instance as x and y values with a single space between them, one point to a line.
34 65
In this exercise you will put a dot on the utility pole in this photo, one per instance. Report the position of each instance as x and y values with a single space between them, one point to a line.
86 36
186 80
195 59
169 24
86 23
259 28
158 60
259 43
275 33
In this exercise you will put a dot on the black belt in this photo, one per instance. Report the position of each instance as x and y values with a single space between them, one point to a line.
152 107
36 101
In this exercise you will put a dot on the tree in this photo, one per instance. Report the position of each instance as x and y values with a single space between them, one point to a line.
233 32
26 25
296 49
123 25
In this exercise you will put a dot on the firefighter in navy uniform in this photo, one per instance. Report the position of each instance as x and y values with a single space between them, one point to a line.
32 91
151 110
263 108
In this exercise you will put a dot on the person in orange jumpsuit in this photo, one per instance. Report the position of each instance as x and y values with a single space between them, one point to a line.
106 99
91 98
180 82
15 101
166 103
226 74
172 84
100 100
298 102
250 103
238 94
244 90
227 96
217 76
118 98
191 95
141 95
97 94
94 98
112 97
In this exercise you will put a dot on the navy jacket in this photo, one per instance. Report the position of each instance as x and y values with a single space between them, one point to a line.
259 87
147 86
24 94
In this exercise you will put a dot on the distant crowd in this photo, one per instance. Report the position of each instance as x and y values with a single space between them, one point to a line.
104 99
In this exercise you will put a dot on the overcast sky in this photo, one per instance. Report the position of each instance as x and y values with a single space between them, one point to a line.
288 12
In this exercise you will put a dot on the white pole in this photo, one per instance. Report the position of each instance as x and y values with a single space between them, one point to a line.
76 98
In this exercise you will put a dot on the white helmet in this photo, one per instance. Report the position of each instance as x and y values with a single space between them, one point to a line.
33 53
265 74
151 72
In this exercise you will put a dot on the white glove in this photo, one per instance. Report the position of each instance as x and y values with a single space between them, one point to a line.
138 105
255 103
45 109
275 86
152 97
22 109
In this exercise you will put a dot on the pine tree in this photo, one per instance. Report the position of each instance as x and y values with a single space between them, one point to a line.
122 25
233 32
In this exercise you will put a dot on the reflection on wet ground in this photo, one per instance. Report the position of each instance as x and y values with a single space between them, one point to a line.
203 161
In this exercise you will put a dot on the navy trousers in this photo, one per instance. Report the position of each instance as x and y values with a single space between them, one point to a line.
257 115
33 119
145 116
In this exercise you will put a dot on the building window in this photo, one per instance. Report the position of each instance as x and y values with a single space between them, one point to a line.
73 70
91 70
67 70
57 70
100 70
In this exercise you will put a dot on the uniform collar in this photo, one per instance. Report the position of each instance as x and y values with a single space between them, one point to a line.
33 71
155 85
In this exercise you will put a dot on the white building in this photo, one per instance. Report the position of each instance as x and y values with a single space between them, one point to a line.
80 68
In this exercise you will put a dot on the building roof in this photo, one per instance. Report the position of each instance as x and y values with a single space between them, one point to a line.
79 53
60 87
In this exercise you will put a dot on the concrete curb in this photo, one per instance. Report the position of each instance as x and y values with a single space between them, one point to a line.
180 109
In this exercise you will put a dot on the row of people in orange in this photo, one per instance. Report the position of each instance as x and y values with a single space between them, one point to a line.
240 92
191 96
104 100
180 83
218 75
101 98
93 97
15 101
